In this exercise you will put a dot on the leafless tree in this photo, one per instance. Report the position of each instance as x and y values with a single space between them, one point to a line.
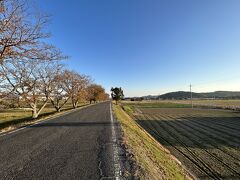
75 85
59 97
28 66
31 80
22 33
25 59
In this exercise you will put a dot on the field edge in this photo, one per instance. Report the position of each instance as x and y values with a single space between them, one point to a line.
149 154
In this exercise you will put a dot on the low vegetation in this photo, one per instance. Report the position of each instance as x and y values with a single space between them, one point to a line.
154 160
231 104
206 141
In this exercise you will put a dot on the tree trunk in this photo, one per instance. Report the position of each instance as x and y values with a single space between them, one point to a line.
43 106
34 112
18 102
57 105
75 105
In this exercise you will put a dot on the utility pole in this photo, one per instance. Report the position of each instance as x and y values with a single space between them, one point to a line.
191 95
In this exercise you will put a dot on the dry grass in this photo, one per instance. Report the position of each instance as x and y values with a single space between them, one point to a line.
11 115
13 118
156 161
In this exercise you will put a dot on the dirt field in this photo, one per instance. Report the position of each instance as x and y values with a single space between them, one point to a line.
206 141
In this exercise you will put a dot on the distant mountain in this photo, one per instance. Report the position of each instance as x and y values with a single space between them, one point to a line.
150 97
223 94
187 95
180 95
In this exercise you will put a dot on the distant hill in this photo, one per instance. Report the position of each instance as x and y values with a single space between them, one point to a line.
186 95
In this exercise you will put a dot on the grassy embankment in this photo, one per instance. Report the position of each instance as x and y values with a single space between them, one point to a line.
154 159
13 118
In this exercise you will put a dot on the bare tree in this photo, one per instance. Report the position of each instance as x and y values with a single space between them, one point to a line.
59 97
75 85
81 89
22 34
28 69
28 79
48 74
25 59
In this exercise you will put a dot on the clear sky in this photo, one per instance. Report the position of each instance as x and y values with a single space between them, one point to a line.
150 46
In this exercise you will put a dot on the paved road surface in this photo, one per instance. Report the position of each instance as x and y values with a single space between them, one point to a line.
74 146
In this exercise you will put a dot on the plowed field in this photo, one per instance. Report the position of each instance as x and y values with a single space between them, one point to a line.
207 142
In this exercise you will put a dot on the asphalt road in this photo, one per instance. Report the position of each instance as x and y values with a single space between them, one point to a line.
78 145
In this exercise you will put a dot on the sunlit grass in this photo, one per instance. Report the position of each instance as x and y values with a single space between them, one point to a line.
16 116
156 162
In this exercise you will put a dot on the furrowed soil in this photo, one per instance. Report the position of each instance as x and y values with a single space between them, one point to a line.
206 141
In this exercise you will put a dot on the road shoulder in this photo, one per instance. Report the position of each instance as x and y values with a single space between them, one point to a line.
149 160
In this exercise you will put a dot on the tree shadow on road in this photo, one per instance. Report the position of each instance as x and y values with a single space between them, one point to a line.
72 124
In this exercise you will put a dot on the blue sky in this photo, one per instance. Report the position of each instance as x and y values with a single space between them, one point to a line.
150 46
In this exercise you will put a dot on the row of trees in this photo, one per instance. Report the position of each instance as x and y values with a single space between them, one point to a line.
38 82
31 70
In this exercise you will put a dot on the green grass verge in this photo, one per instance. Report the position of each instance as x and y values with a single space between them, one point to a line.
156 161
128 108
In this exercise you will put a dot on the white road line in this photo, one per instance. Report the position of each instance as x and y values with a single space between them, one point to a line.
11 132
117 167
